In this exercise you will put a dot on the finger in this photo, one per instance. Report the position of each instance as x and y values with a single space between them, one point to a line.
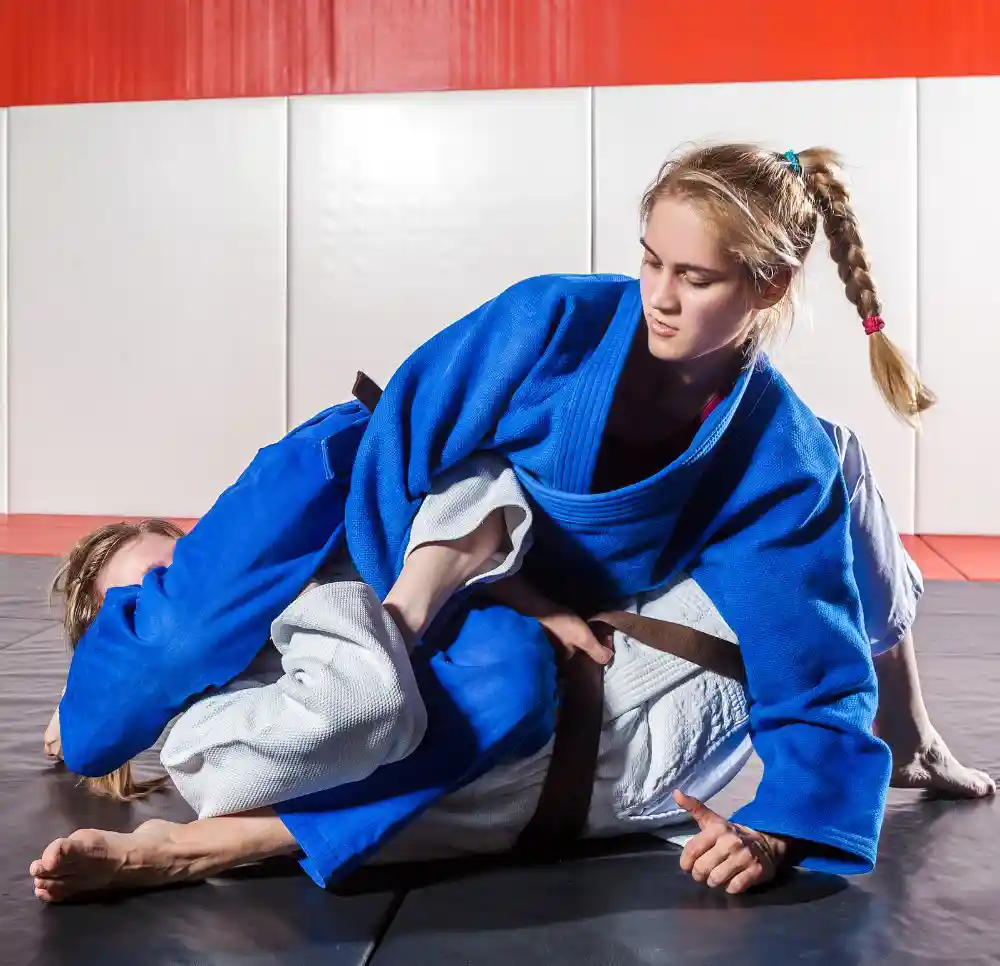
700 812
726 847
746 879
728 869
592 647
701 844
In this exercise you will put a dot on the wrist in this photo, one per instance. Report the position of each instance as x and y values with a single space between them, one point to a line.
411 618
780 850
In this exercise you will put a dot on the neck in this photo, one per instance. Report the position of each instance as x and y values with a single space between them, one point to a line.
694 379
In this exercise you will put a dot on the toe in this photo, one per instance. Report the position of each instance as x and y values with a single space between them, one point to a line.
53 856
49 890
984 784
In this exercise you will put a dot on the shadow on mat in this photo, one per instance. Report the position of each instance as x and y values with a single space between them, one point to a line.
585 874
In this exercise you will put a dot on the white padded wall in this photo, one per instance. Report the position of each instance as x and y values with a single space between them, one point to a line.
408 211
873 125
958 469
147 301
4 362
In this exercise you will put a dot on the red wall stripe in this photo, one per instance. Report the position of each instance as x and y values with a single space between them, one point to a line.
66 51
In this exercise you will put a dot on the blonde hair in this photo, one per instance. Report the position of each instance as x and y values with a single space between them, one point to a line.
76 582
765 208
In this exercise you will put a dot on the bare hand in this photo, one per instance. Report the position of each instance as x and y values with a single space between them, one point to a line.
726 854
573 633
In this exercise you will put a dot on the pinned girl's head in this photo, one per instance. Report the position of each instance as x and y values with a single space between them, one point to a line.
116 555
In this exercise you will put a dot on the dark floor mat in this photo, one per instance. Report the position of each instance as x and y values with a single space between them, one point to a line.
933 899
24 588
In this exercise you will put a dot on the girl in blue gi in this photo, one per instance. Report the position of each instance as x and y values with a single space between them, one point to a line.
653 439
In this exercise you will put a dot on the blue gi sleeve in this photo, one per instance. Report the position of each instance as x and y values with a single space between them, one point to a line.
200 622
779 570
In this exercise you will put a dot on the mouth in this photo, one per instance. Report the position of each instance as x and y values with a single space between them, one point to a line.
661 328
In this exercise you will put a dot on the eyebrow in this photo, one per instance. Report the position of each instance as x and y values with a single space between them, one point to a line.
685 267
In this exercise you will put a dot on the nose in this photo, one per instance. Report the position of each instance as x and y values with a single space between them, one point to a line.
663 297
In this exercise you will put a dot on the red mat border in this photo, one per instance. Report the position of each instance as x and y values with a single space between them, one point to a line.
940 557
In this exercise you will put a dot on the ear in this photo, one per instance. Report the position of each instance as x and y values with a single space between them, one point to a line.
773 291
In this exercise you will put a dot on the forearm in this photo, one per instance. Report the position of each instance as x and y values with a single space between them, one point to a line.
517 593
565 629
431 574
52 738
473 526
435 569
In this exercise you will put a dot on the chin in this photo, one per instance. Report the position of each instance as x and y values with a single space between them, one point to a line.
668 349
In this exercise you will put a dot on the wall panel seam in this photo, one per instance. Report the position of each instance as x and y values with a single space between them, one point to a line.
5 315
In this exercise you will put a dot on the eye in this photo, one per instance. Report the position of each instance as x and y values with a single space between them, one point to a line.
699 283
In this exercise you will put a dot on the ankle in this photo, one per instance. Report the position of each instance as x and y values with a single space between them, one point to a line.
908 737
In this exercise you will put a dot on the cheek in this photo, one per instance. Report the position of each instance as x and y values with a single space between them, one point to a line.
647 279
719 311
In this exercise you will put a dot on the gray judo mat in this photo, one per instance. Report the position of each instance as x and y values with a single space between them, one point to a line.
934 898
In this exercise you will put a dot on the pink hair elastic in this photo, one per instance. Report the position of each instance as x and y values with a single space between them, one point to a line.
873 324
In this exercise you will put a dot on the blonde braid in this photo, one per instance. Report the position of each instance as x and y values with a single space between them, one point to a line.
898 383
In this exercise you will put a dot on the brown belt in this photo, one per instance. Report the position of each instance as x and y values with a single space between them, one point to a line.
561 814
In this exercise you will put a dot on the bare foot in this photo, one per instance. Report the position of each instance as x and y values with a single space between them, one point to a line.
94 861
934 768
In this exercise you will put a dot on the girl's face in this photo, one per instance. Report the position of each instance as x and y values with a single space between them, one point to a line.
130 563
695 297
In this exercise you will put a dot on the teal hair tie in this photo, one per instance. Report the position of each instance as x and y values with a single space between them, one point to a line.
793 162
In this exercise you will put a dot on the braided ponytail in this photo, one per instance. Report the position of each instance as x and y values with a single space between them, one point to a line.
898 383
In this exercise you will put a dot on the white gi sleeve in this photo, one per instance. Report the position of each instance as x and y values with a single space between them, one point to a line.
463 498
